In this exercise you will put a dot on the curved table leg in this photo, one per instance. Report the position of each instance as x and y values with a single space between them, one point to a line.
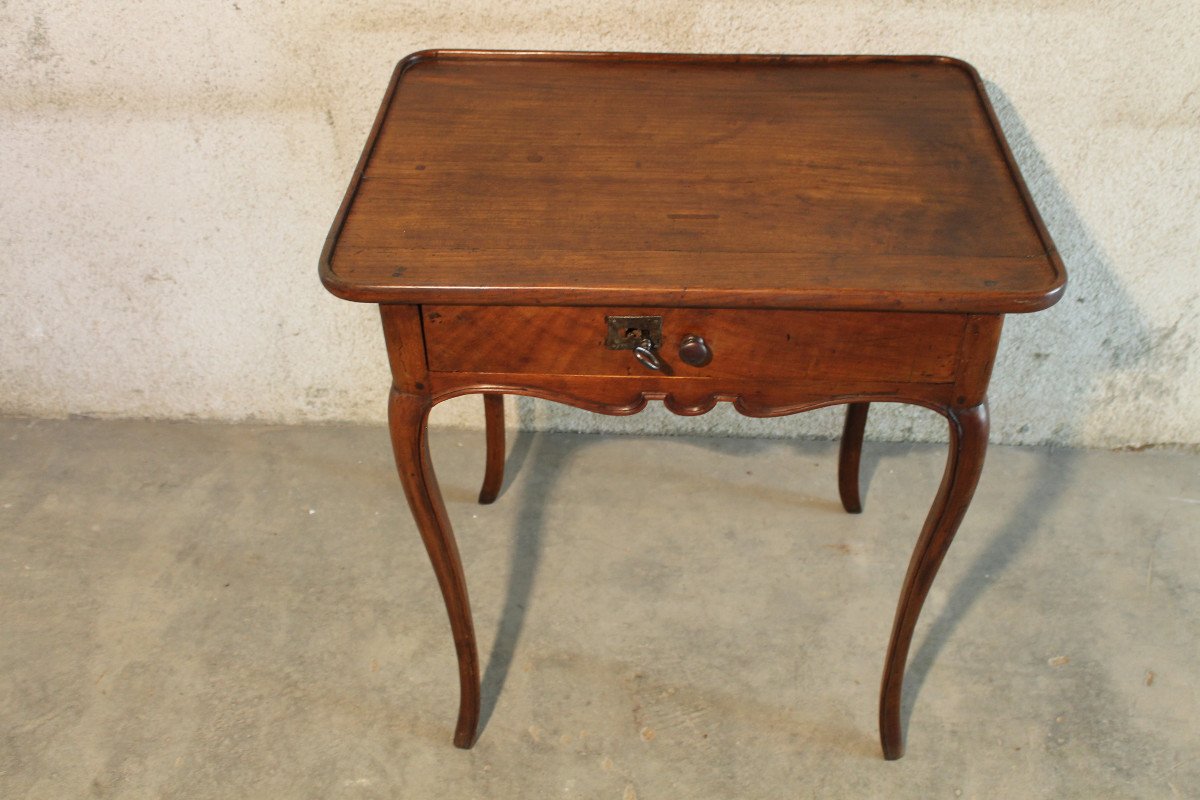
848 457
493 473
408 416
968 443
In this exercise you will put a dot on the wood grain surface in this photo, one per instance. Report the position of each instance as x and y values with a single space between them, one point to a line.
748 345
837 230
771 182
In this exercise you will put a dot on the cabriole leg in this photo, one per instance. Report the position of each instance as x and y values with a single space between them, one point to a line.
408 422
850 455
968 443
493 473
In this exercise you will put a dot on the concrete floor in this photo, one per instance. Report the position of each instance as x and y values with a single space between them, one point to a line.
215 611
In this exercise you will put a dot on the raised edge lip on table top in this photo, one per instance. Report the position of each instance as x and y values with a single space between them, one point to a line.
1000 301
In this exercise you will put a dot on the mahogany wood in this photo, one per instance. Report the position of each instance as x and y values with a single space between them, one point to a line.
839 230
850 455
493 421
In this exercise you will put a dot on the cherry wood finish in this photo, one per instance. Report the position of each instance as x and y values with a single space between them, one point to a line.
493 475
849 456
712 181
837 230
408 423
968 443
560 340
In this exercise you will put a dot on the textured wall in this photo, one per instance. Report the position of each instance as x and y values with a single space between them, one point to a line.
169 172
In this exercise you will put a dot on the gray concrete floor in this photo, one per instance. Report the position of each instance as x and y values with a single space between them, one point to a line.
216 611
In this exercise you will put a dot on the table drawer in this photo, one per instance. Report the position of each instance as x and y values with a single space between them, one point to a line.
862 345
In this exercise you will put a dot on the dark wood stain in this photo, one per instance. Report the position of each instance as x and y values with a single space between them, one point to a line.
838 230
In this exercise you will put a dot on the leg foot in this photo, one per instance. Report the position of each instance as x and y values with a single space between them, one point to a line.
850 454
968 443
493 474
407 420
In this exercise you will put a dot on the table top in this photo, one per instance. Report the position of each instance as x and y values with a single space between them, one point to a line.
818 182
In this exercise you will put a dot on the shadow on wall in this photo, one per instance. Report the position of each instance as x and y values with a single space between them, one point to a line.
1095 330
1070 354
1073 351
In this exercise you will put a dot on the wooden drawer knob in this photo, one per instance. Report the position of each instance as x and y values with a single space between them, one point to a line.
695 351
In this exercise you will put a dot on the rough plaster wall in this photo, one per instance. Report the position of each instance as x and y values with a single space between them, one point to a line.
169 172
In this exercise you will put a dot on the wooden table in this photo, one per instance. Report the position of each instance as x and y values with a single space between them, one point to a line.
602 230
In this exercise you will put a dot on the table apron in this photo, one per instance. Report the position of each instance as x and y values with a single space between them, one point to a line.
767 363
691 396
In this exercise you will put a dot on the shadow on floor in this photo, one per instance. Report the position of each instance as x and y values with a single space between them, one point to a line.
552 455
1055 473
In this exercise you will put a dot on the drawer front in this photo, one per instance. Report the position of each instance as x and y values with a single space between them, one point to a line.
892 347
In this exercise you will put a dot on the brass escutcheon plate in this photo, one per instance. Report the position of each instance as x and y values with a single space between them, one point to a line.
624 333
